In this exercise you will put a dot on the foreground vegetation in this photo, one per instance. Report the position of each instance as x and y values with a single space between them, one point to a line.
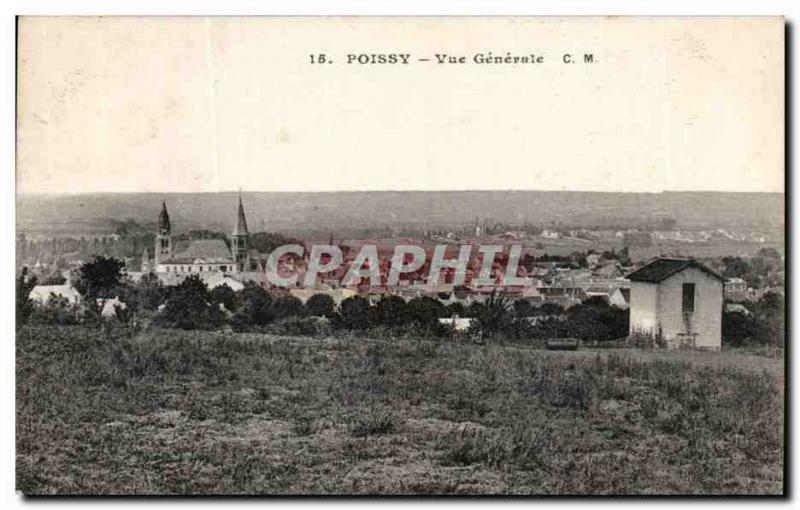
110 411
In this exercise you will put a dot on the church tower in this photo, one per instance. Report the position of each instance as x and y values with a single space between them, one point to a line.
239 243
163 249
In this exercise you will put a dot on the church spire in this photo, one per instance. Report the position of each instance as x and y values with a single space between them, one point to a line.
239 243
241 222
164 226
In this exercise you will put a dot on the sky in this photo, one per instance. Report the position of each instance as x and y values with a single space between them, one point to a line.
218 104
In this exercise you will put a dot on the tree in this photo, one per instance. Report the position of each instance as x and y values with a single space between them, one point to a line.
739 329
523 308
189 307
57 311
287 306
495 316
95 282
152 293
223 294
355 313
98 277
769 311
735 267
550 309
425 312
320 305
256 307
25 285
596 319
391 311
454 309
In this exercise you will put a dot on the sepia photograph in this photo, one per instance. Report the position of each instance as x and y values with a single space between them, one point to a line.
400 256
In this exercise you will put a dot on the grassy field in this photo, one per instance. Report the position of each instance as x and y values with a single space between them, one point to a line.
172 412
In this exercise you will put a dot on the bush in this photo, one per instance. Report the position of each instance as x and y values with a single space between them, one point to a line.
286 306
152 293
224 295
25 306
762 326
355 313
391 311
320 305
189 307
425 312
256 307
596 319
495 317
56 311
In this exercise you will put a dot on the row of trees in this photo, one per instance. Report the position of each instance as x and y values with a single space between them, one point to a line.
191 305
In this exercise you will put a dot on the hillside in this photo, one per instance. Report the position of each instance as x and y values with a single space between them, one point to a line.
172 412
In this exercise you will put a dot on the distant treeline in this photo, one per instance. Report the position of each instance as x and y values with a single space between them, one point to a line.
348 212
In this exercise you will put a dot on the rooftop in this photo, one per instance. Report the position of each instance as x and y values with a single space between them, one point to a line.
660 269
203 250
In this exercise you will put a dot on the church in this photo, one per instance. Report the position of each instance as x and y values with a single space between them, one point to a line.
198 256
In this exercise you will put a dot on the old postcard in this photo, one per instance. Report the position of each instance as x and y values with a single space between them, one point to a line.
393 256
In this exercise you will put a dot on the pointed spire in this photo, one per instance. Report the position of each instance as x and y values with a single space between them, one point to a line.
241 222
164 226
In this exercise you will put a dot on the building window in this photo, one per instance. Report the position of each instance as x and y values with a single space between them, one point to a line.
201 269
688 297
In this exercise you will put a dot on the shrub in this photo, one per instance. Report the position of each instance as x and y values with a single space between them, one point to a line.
152 293
355 313
223 294
256 307
286 306
596 319
56 311
25 284
425 312
189 307
391 311
320 305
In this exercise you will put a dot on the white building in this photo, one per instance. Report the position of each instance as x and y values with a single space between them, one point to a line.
41 293
678 299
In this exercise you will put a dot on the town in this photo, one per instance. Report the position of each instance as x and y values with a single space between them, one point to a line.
452 269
